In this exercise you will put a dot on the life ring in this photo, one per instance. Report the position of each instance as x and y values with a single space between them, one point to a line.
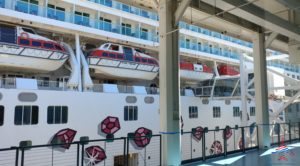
24 35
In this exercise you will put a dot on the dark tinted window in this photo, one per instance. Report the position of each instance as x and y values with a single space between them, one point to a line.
58 47
137 59
28 30
57 114
151 61
48 45
112 55
119 56
1 115
105 54
36 43
26 115
130 113
24 42
144 60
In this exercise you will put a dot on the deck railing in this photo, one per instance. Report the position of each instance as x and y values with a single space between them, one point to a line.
197 144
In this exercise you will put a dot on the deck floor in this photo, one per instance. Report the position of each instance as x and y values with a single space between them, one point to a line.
273 157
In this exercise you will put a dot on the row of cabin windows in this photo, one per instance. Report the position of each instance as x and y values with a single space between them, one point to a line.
137 59
29 115
26 42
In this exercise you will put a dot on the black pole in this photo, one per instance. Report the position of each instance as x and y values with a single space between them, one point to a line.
243 139
290 134
225 142
191 145
78 151
82 153
203 146
278 136
160 149
127 153
124 152
22 156
17 156
299 130
257 138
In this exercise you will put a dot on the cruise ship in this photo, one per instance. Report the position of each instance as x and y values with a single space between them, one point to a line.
73 70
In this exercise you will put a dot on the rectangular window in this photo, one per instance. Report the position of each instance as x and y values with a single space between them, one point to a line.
252 111
48 45
1 115
216 112
26 115
236 111
130 113
24 42
57 115
36 44
193 112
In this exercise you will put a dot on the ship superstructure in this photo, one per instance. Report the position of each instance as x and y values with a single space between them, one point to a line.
72 66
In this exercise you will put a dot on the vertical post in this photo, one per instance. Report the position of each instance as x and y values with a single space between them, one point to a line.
191 145
203 146
17 156
261 90
22 156
299 130
244 88
290 134
278 136
160 150
82 153
78 151
169 83
243 139
124 151
127 152
78 54
225 142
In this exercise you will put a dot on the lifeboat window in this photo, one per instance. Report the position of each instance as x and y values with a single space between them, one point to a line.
57 115
130 113
114 47
144 60
28 30
36 44
105 54
111 55
26 115
1 115
58 47
120 56
24 42
48 45
137 59
193 112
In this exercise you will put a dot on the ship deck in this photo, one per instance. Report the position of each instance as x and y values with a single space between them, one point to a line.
269 157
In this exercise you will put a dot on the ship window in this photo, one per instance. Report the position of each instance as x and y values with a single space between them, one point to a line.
24 42
120 56
36 44
105 54
58 47
1 115
144 60
57 114
26 115
114 47
111 55
236 111
216 112
193 112
48 45
137 59
28 30
252 111
130 113
151 61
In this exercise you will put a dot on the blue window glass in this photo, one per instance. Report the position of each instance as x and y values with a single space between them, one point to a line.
137 59
144 60
24 42
111 55
22 6
36 44
105 54
126 8
48 45
2 3
119 56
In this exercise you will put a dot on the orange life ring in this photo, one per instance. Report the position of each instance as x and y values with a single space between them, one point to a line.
24 35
